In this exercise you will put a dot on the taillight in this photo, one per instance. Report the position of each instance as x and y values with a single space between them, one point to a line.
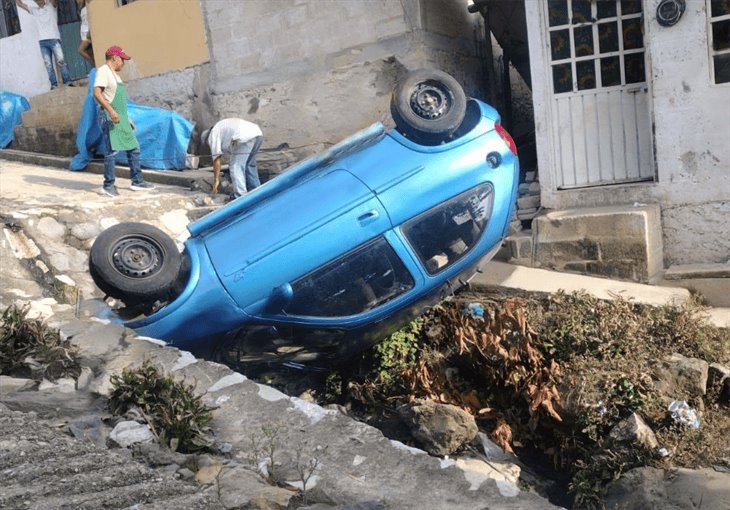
506 137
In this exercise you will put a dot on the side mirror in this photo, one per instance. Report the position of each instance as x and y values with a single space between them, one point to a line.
280 298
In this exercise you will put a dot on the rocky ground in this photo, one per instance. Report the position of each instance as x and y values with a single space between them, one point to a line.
55 447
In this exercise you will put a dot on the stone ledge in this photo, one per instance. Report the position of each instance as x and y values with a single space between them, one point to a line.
181 178
688 271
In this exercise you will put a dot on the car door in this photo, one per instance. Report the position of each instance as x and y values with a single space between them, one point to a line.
293 233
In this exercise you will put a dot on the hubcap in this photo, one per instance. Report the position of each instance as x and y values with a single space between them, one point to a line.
136 258
430 101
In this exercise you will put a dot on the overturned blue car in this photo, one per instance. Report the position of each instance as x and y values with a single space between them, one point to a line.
338 251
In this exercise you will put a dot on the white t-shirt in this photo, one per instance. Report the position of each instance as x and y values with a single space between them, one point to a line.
108 79
227 131
46 18
84 26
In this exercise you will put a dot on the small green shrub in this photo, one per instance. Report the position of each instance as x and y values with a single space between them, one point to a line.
176 415
398 352
596 471
333 387
389 364
29 348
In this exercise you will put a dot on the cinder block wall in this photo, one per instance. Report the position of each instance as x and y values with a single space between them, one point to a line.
618 242
49 127
312 72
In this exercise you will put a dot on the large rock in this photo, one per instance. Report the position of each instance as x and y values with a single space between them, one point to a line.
50 228
239 487
10 385
649 488
440 429
681 378
718 380
633 430
127 433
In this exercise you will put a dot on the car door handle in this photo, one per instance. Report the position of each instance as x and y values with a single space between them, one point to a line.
368 217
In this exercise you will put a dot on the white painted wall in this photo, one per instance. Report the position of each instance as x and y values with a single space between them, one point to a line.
691 117
21 64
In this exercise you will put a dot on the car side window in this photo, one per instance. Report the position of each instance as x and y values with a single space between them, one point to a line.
360 280
446 233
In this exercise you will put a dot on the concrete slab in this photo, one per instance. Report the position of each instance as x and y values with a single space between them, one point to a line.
684 271
501 274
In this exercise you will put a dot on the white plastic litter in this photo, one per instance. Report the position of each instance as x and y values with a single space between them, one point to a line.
683 414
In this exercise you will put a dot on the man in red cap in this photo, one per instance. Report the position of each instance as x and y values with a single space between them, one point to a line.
117 128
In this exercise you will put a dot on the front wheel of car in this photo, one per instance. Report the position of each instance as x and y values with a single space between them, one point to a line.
134 262
428 106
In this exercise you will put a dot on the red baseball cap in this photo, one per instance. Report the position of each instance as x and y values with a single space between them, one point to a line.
119 52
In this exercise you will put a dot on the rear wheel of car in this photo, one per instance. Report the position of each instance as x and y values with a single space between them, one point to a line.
428 106
134 262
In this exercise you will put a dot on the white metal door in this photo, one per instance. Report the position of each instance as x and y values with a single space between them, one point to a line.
599 100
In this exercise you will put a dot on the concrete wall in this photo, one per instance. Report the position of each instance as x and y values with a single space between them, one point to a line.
329 66
313 72
310 72
21 64
691 118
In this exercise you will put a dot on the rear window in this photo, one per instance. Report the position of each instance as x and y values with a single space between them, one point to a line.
446 233
360 280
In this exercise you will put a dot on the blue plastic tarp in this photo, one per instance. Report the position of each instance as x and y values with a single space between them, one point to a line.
163 135
12 107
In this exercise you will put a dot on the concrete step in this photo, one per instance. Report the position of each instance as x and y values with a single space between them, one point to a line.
520 247
622 242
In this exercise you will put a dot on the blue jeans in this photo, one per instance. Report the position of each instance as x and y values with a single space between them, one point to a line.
52 48
110 154
242 167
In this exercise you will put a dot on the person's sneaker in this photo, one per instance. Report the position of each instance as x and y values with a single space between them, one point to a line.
142 186
110 190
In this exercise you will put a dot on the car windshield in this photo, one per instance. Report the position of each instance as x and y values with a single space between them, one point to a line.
444 234
360 280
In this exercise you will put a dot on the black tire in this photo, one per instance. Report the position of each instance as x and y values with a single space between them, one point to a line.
134 262
428 106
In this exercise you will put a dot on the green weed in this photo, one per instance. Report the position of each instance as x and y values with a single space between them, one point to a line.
29 348
176 415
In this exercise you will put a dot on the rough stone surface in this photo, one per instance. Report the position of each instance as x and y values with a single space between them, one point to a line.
439 428
12 384
43 467
634 430
682 378
127 433
679 489
50 228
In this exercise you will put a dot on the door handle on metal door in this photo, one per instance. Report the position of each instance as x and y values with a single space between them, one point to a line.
368 217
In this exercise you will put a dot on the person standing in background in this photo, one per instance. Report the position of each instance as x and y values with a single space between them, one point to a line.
85 49
49 38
